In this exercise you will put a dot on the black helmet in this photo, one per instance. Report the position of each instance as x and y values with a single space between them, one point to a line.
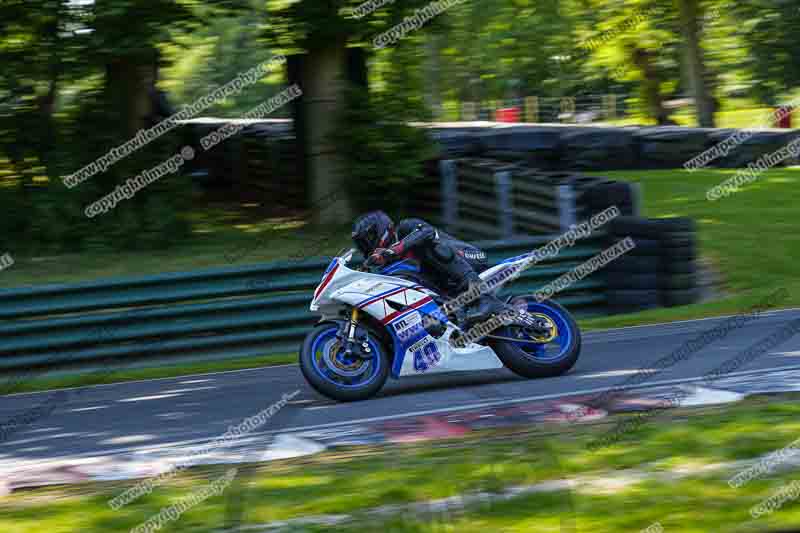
373 230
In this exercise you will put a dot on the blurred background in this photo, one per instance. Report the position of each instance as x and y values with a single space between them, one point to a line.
503 121
80 77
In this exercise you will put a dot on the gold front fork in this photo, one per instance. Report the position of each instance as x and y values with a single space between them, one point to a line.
353 323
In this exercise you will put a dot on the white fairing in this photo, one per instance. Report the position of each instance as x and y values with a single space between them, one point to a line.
472 357
501 274
399 305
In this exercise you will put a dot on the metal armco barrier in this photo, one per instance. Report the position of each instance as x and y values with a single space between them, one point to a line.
211 314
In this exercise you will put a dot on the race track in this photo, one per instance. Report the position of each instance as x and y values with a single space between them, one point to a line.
153 419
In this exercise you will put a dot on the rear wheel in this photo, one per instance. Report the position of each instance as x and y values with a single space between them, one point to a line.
540 360
336 375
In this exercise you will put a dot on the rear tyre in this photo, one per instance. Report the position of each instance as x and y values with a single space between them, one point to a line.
680 297
686 253
537 360
621 281
650 228
678 282
331 373
679 267
634 264
634 299
644 247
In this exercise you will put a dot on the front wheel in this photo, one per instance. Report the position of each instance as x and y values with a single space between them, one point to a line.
549 359
332 373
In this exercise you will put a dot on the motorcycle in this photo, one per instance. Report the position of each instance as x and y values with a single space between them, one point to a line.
377 324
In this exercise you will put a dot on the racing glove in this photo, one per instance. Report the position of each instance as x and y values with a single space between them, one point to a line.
381 257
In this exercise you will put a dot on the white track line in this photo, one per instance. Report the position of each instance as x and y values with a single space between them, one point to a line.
184 376
692 320
530 399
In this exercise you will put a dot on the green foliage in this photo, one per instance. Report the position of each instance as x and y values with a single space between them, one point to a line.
215 54
308 24
383 157
70 72
770 30
64 97
43 215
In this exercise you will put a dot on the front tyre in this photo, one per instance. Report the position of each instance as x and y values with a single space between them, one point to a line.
333 374
540 360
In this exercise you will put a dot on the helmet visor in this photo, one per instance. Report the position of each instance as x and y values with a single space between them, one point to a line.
367 241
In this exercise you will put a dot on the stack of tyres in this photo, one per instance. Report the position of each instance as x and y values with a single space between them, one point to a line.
633 279
606 193
597 147
678 263
669 146
659 271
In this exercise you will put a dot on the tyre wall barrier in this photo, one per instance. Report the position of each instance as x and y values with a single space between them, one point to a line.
212 314
571 147
659 271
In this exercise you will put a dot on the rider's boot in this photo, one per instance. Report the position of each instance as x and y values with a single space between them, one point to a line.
485 307
488 305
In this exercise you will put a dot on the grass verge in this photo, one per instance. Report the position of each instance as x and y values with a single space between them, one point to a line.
221 238
358 478
751 237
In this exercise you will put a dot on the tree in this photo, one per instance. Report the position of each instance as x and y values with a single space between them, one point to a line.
770 29
125 37
322 31
77 80
37 51
690 15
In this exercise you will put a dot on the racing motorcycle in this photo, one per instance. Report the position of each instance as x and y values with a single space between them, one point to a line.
377 324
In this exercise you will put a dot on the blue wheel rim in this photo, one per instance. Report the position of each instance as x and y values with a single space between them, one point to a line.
556 349
350 374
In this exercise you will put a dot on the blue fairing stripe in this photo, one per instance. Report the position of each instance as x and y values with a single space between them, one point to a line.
335 260
517 258
402 265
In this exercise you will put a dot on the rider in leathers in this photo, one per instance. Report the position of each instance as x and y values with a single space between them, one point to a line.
452 265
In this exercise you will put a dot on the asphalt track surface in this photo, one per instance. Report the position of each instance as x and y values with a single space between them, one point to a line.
159 415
